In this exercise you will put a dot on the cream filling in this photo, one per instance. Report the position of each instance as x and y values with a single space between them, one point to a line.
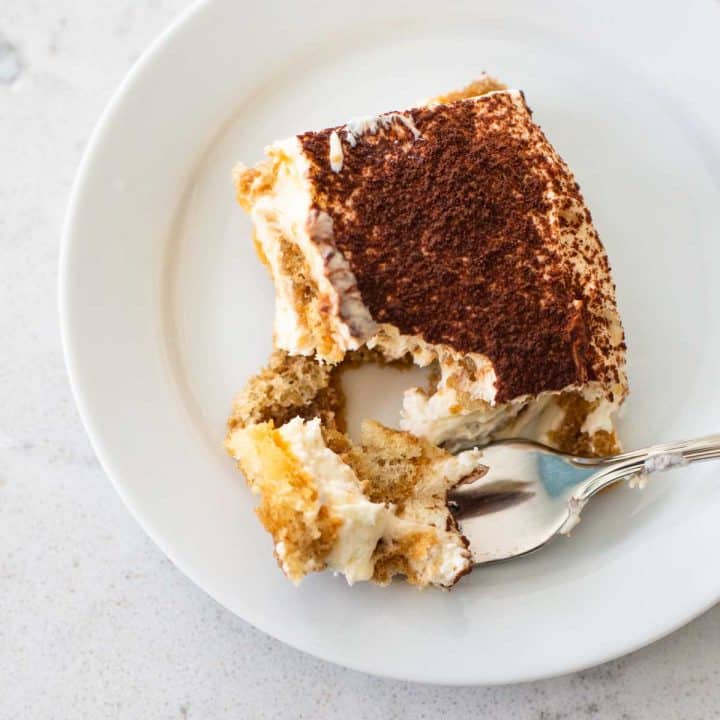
285 211
446 414
434 417
289 331
443 414
365 523
335 152
478 384
601 418
533 418
358 126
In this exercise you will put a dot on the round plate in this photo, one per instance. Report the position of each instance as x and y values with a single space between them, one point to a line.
166 311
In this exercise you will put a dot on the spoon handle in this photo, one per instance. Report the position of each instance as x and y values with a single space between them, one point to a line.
650 459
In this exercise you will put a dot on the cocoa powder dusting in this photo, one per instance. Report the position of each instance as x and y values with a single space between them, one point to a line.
447 237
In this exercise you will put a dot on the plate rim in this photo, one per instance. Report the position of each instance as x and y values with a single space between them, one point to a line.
102 450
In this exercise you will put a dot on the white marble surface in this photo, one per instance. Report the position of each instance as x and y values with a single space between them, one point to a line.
94 621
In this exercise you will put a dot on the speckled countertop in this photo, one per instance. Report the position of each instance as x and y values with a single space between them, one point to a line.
94 621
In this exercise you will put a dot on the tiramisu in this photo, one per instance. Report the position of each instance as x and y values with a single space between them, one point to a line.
454 236
369 510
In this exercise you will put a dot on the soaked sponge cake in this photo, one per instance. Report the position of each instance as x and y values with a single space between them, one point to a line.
369 510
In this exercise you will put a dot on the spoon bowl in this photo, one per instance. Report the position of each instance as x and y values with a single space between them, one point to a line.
531 493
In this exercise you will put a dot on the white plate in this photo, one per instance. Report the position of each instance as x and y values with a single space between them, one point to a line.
166 311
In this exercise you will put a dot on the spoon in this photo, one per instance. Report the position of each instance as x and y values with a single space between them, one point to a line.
532 493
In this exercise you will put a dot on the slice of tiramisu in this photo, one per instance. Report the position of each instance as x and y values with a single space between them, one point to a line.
454 234
449 235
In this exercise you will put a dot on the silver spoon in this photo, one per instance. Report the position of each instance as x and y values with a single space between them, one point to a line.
531 493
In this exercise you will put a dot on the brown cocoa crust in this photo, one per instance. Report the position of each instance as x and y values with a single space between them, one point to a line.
447 235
